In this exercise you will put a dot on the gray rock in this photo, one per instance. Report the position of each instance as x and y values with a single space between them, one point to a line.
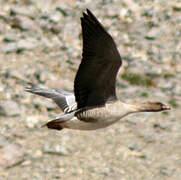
11 154
12 47
10 37
26 44
9 108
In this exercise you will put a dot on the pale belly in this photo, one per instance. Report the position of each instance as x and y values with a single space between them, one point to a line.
104 116
81 125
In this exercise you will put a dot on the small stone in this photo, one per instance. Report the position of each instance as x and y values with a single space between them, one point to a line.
26 44
10 37
31 121
9 108
38 153
56 17
10 154
12 47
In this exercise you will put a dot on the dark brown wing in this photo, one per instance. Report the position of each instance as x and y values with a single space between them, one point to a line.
95 80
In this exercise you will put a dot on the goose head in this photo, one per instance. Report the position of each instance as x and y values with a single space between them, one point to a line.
152 107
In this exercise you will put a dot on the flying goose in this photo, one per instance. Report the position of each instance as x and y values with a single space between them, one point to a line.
94 104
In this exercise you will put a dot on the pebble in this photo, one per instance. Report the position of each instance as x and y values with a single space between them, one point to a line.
9 108
10 154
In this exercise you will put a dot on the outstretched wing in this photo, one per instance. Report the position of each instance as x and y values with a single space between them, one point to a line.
96 77
65 100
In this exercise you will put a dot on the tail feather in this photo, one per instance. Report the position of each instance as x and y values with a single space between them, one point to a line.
58 122
53 125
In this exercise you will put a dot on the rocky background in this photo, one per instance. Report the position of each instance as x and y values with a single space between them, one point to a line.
41 42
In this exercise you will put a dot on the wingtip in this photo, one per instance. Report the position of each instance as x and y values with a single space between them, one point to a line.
88 11
84 14
28 87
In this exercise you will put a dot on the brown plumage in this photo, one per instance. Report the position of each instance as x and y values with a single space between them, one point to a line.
96 76
95 104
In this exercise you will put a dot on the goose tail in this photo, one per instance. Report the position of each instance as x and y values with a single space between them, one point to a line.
59 122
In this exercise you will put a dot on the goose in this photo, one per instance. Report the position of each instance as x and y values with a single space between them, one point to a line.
94 103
